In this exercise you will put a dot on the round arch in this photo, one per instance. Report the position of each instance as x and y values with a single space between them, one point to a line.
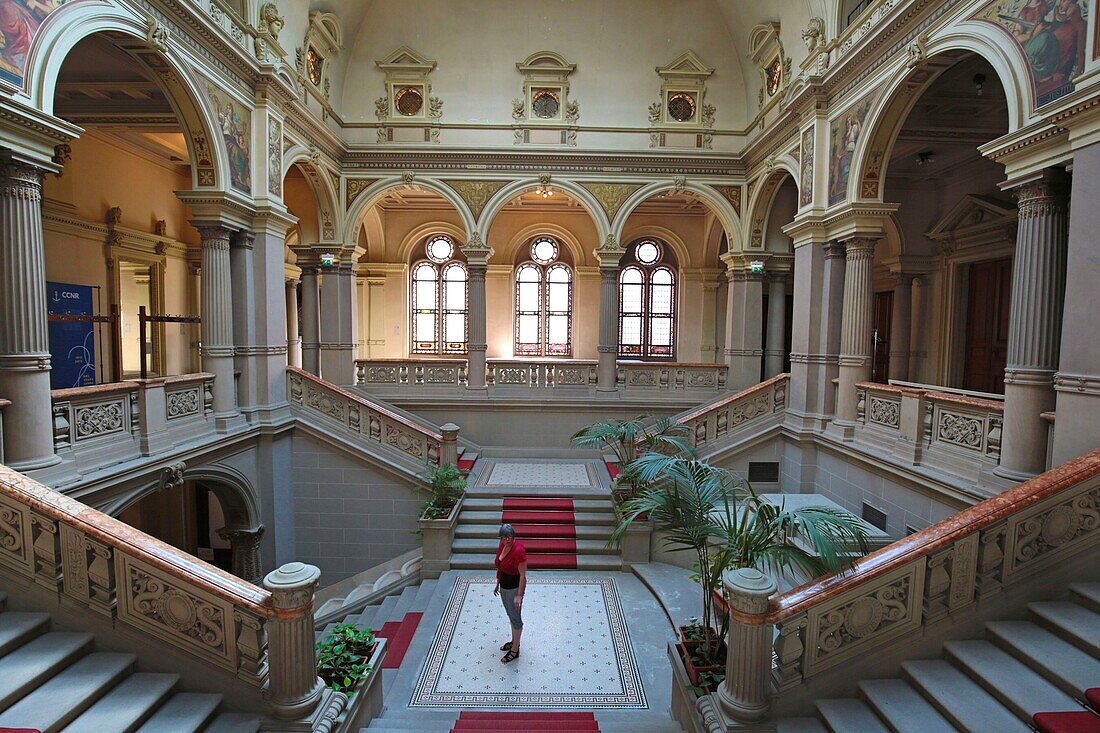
235 492
888 114
324 193
419 233
763 201
72 23
515 188
721 206
669 237
370 196
526 234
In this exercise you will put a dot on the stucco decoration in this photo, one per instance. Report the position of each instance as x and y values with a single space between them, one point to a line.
19 23
323 40
545 113
766 51
234 120
476 193
806 169
731 194
762 206
1052 36
612 195
408 110
682 117
844 135
354 187
275 156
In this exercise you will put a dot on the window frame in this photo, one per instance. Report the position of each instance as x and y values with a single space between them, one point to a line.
543 314
439 308
646 316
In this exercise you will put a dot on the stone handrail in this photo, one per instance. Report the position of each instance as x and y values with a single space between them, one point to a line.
109 568
403 372
901 589
671 376
363 416
541 373
716 419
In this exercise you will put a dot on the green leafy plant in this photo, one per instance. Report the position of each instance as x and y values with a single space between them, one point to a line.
629 439
447 485
708 681
342 656
712 513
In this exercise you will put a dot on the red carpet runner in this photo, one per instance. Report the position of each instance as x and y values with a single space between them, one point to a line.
400 635
526 722
1075 722
547 528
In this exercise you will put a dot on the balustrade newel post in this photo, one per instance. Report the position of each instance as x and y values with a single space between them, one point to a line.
294 689
745 694
448 450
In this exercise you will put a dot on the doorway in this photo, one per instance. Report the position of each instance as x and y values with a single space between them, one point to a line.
882 312
987 313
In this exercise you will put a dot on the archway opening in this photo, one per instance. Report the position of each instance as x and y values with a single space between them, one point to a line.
188 516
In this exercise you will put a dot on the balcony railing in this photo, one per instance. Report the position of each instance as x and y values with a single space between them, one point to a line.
418 372
721 419
541 373
671 376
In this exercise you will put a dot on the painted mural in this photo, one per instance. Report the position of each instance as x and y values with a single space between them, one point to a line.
843 137
275 156
1052 35
806 172
233 120
19 22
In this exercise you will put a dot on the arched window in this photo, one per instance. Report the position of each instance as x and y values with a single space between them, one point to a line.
439 299
647 302
544 302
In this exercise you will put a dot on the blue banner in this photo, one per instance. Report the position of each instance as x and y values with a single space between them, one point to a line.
72 344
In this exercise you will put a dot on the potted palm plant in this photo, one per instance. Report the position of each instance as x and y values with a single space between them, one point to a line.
628 439
438 517
717 516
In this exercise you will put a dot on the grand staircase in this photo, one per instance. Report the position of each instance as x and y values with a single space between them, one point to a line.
1033 674
56 681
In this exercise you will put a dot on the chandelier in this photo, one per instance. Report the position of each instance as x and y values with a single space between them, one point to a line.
543 189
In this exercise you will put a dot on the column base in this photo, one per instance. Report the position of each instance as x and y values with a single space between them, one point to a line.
841 430
1013 475
34 464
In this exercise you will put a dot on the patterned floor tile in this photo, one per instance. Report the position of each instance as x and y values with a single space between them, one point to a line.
540 474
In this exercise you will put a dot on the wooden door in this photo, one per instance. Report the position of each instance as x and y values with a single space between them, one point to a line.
987 312
880 333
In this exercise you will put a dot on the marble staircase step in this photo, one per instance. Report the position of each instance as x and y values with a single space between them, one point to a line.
965 703
848 715
903 708
233 723
1073 622
480 561
424 595
1087 595
800 725
489 546
600 532
186 712
1016 687
18 628
27 667
1064 664
493 518
125 707
404 603
69 693
497 504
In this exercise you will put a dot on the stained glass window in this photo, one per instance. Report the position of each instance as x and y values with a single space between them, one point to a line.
440 300
647 303
544 303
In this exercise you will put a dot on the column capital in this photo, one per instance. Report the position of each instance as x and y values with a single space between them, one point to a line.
609 252
859 247
214 234
243 239
778 276
477 251
20 180
1040 195
834 250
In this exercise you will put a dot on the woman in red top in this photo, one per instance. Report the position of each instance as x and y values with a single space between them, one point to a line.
511 564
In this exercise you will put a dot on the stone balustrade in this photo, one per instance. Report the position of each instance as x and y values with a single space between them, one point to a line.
984 555
671 376
950 430
576 374
174 601
360 416
373 373
717 421
102 424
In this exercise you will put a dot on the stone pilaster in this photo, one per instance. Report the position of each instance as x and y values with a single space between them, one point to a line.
744 313
477 265
833 299
609 254
24 338
293 340
901 327
744 695
311 320
338 309
294 689
244 313
777 324
244 544
217 316
1035 322
855 330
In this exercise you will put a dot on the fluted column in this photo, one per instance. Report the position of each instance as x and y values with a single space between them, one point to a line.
855 330
294 688
338 311
311 320
777 324
744 314
745 693
24 338
293 340
1035 322
217 316
244 544
901 327
609 254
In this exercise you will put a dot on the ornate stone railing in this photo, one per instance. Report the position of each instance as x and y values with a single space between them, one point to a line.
949 430
671 376
107 423
404 372
540 373
362 417
716 420
898 592
103 566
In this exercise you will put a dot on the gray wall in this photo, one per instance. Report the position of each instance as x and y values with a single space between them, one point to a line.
348 515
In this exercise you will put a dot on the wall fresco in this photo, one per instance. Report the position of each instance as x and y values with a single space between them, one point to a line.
843 138
233 120
19 22
806 169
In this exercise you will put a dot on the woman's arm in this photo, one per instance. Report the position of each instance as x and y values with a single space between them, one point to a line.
522 583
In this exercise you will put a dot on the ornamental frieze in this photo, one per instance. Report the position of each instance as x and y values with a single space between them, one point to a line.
612 195
476 193
356 186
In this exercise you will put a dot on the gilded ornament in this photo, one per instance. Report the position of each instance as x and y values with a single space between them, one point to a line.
476 193
612 195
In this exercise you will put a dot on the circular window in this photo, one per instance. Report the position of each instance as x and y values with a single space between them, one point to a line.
440 249
681 107
647 252
544 250
408 101
545 104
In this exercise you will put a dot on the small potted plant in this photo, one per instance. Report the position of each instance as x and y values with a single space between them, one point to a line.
343 657
438 517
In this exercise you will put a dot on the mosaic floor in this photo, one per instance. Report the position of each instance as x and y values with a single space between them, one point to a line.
576 649
541 474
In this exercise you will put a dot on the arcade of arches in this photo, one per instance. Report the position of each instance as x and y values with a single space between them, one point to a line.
223 223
